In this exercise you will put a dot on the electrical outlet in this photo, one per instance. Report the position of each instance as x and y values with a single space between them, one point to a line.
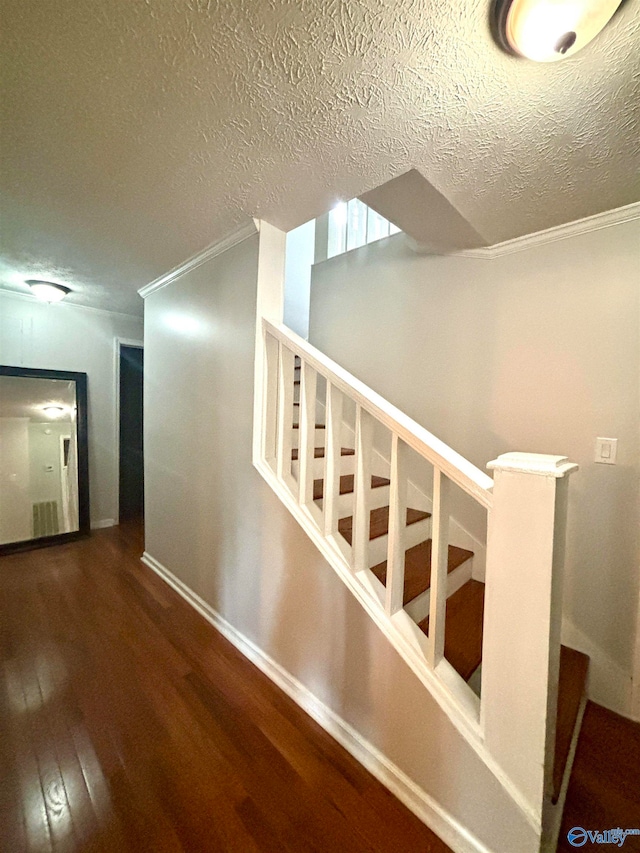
606 450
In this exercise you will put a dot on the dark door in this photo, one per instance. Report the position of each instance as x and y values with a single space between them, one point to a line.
131 456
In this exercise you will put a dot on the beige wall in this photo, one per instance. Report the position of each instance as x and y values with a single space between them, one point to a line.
66 337
214 523
534 351
15 505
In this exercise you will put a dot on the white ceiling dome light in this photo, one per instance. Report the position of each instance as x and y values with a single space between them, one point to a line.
47 290
548 30
53 411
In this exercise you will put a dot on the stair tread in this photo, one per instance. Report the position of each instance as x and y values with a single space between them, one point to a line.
318 452
571 685
347 485
379 522
463 628
417 568
318 426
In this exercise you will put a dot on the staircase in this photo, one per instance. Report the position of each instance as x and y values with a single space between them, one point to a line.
464 615
342 460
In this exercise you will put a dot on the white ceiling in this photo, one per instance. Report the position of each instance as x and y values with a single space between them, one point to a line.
25 397
136 133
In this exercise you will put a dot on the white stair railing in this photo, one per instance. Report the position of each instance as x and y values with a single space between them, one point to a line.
526 492
296 475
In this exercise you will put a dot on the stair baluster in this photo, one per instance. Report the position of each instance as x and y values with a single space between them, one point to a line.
439 567
397 526
362 490
285 407
333 413
307 417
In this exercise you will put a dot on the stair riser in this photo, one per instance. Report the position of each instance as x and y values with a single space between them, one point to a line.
414 534
319 417
319 438
347 466
379 497
418 609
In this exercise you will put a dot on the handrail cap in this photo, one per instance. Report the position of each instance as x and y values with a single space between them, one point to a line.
533 463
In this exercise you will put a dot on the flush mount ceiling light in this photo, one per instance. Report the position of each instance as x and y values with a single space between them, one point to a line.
47 290
53 411
548 30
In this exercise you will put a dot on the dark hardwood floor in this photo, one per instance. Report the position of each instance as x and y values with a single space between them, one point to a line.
604 791
127 723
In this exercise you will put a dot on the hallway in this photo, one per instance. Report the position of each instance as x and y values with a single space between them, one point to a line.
127 723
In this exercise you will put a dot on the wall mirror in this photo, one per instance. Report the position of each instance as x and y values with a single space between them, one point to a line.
44 470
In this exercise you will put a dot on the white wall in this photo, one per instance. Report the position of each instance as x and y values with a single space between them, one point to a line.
534 351
214 523
44 453
66 337
299 259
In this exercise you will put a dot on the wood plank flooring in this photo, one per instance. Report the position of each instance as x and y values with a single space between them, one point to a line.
127 723
604 791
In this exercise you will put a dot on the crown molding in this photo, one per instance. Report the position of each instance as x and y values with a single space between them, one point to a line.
66 306
558 232
200 258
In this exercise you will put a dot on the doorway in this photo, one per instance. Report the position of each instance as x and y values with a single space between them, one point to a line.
131 458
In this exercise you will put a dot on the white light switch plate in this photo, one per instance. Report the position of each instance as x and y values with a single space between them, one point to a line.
606 450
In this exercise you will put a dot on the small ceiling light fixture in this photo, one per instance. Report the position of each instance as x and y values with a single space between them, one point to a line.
548 30
53 411
47 290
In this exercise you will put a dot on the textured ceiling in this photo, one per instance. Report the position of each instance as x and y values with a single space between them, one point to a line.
136 132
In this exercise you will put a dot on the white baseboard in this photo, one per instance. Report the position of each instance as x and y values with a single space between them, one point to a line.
103 522
430 812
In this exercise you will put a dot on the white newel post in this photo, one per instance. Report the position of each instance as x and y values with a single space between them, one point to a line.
522 620
269 304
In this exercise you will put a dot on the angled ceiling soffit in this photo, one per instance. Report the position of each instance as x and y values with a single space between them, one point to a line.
424 214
